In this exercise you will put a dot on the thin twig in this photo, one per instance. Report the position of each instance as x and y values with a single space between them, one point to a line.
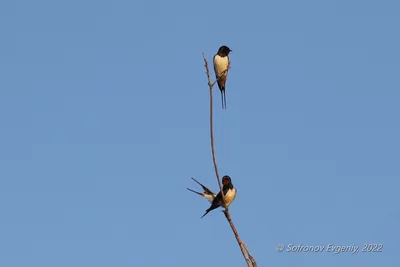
253 261
245 251
211 126
240 242
211 85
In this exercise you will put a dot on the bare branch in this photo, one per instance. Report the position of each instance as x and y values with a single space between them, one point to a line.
245 251
253 261
210 85
240 242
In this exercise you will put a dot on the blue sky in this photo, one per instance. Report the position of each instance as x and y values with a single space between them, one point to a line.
104 119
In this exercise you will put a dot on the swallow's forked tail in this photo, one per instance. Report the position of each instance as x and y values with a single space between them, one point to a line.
223 99
197 182
195 192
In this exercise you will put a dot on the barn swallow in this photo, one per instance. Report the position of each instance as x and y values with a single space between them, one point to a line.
207 192
229 195
221 65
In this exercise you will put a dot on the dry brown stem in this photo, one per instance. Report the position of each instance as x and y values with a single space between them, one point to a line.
245 251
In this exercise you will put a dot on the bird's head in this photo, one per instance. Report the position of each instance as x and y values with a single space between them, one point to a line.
223 51
226 180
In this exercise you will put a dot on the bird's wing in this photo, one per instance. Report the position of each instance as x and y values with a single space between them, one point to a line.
215 67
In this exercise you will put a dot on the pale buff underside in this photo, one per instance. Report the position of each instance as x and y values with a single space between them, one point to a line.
230 196
220 64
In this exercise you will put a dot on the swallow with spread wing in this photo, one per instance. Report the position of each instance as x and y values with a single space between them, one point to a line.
229 195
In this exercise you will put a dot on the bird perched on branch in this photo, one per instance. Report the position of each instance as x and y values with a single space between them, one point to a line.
221 66
208 194
229 195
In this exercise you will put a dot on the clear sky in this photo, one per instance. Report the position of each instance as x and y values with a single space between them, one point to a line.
104 119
